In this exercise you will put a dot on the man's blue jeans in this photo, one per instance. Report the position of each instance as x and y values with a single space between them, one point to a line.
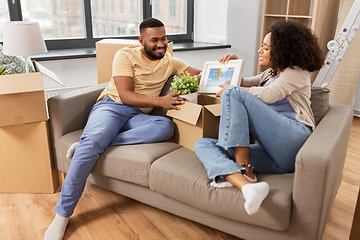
109 124
242 114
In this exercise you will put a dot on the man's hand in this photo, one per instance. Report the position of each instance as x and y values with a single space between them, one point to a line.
171 101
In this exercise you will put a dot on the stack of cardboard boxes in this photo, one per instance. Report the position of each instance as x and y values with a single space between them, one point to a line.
25 150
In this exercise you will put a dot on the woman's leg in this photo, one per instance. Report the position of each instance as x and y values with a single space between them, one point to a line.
242 114
219 164
279 137
217 160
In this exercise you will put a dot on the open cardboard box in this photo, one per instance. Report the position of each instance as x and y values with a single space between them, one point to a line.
195 121
105 53
22 97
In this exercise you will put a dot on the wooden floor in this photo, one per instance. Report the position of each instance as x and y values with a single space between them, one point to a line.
101 214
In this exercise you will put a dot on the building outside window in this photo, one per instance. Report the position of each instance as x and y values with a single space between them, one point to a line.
121 6
172 8
4 16
112 6
132 6
156 8
80 23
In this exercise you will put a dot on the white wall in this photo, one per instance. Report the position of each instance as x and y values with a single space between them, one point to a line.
234 22
73 73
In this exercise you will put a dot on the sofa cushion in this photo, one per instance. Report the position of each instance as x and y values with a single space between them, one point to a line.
181 175
128 163
319 102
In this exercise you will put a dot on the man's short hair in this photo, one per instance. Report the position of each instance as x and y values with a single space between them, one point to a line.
150 23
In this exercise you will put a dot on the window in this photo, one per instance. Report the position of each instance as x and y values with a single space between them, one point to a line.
81 23
121 6
132 6
4 16
57 19
174 23
172 8
112 6
156 8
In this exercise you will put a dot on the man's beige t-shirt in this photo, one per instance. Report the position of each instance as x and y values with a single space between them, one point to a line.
149 76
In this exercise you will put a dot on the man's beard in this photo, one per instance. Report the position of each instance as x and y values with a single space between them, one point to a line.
150 54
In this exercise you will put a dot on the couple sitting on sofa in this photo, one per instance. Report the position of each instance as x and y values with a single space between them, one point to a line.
275 110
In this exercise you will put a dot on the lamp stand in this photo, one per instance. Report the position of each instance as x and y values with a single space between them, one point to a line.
26 64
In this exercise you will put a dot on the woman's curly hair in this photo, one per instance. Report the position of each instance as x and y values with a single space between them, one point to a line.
293 44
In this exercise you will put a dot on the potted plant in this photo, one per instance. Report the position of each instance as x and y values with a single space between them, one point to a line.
186 84
2 70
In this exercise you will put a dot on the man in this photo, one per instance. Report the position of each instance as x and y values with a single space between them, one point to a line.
120 116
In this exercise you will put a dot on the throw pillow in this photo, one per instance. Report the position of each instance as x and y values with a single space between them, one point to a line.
14 64
319 102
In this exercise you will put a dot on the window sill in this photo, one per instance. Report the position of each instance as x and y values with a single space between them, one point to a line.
63 54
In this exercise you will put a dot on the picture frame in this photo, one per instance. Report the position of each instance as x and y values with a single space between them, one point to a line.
215 73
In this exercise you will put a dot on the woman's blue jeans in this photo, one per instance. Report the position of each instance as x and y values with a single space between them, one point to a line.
242 114
109 124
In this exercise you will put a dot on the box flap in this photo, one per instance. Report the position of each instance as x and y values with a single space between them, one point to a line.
19 83
189 112
215 109
47 72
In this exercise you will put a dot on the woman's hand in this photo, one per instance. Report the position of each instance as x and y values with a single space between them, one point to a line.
218 94
227 57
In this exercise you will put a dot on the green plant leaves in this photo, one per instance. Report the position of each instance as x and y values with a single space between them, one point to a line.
184 83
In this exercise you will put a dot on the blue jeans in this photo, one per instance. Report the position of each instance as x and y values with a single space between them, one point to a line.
109 124
242 114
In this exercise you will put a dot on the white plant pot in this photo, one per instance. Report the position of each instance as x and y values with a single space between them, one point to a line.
192 97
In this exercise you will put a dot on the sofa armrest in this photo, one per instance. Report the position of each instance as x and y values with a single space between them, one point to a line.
69 112
318 172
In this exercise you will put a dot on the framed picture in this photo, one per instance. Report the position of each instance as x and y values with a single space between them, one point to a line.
215 74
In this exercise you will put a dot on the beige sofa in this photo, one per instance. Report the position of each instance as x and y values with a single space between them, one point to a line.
170 177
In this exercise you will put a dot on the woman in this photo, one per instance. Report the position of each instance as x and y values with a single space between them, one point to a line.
275 110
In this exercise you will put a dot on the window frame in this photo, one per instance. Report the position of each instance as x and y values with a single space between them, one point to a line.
89 41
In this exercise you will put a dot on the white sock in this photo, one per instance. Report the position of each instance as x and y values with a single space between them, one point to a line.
254 194
56 230
221 184
71 150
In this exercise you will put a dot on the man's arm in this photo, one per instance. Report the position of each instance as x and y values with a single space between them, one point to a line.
125 87
192 71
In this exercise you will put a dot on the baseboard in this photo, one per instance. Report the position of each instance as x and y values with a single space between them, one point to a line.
357 112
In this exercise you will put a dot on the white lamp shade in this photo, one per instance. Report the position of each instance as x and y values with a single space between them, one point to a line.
23 38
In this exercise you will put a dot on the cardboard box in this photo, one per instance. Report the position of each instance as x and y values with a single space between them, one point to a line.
22 98
105 53
195 121
26 159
